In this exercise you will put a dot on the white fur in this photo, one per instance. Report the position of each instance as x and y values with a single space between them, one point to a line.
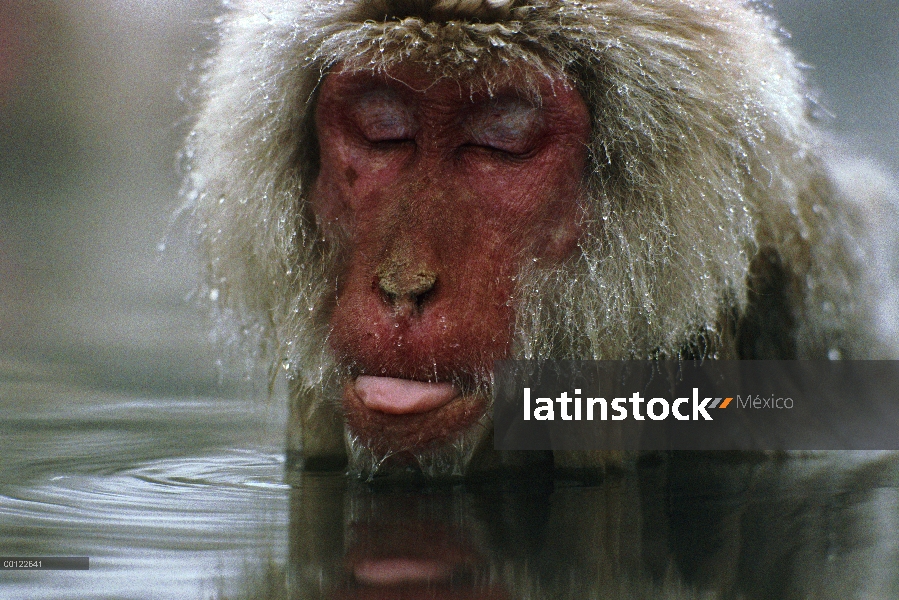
702 155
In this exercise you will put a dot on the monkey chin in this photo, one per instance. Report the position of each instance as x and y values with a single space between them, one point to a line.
434 428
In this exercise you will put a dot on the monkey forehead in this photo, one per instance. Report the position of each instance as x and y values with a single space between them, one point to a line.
551 96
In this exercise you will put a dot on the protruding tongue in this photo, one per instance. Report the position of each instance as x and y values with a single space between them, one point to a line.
402 396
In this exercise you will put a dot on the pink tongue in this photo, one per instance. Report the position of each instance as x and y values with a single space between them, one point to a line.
402 396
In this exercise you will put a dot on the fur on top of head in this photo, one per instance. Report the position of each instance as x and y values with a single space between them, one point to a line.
697 114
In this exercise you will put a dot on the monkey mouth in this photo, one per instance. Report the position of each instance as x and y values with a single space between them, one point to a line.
394 396
392 415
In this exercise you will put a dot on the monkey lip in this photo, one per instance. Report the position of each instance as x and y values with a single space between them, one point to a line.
392 415
395 396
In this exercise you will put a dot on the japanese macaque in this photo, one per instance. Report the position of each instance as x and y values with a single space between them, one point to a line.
394 194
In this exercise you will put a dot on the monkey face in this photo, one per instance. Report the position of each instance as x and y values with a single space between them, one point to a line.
438 192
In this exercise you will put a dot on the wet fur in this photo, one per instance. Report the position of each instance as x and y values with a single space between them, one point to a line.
714 224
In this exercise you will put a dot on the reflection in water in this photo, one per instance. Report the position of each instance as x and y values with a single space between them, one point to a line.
682 526
175 498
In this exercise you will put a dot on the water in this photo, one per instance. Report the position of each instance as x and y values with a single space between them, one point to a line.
169 497
186 498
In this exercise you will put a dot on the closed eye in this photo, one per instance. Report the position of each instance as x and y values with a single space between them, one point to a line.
383 118
507 125
500 152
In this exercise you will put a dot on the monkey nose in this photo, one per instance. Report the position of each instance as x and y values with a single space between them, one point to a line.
406 291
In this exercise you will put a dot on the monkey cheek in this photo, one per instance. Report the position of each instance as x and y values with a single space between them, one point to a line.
562 243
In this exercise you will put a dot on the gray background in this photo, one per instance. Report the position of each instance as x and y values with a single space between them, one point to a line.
92 112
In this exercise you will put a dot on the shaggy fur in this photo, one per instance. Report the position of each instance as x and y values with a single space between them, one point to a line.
713 227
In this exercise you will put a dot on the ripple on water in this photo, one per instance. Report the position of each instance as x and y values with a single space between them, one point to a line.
194 494
162 495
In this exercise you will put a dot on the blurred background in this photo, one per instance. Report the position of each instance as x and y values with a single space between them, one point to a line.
93 105
96 272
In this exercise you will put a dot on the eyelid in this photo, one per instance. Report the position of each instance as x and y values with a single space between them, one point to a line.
510 125
382 116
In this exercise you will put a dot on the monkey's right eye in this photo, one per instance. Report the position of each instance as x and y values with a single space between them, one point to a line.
382 117
506 125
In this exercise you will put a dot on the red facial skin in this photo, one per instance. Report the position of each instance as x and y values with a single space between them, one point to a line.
439 193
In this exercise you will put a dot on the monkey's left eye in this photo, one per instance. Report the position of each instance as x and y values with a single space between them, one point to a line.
383 117
510 126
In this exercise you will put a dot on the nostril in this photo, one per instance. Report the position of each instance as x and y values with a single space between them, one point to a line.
411 289
422 283
423 296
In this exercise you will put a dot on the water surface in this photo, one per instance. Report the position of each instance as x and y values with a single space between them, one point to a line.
169 497
186 498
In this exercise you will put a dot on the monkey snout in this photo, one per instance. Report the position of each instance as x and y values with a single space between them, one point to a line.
404 290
